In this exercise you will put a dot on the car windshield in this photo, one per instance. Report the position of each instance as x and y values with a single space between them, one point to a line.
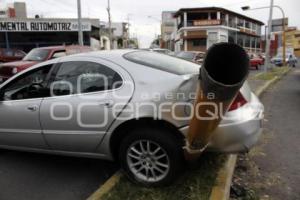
163 62
186 55
37 55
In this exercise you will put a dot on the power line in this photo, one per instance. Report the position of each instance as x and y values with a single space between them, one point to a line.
241 2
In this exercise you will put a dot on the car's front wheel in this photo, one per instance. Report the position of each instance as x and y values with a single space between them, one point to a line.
151 156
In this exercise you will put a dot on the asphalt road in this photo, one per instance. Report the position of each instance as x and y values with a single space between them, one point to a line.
28 176
280 160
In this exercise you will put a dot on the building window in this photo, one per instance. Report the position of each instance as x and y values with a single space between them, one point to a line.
232 22
232 37
254 27
247 42
199 42
203 16
253 42
258 43
240 39
223 19
248 24
240 23
213 15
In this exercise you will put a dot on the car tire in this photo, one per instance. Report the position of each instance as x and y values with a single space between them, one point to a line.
152 156
257 67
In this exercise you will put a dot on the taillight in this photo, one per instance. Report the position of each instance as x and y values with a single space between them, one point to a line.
238 102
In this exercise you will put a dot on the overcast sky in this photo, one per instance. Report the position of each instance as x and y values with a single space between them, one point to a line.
146 28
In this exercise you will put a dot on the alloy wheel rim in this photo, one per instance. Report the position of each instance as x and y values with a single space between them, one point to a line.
148 161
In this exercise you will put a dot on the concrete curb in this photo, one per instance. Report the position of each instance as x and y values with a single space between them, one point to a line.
106 187
221 191
262 89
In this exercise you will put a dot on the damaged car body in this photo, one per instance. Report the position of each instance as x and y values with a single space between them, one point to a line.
127 105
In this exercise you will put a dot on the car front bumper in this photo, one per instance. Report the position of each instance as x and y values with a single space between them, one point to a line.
239 135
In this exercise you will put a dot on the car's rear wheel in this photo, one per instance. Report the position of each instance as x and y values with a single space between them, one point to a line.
151 156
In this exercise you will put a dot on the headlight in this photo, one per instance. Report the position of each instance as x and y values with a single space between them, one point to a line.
15 70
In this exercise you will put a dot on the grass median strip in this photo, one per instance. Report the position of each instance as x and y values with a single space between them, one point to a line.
195 183
277 71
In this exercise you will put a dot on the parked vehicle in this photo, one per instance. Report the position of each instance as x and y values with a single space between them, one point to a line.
38 55
290 60
193 56
9 55
256 61
94 105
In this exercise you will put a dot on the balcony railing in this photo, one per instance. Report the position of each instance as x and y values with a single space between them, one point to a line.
213 22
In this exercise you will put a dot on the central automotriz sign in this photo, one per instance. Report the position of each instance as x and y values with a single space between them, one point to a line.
36 26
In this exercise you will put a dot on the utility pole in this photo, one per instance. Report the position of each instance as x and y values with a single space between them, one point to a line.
109 25
7 40
80 34
283 39
128 30
268 42
245 8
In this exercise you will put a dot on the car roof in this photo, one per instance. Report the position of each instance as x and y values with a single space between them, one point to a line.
109 54
192 51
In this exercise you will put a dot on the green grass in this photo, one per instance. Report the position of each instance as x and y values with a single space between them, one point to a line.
276 71
195 184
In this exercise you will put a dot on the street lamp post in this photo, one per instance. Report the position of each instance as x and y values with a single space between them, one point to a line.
80 34
128 31
109 25
245 8
160 21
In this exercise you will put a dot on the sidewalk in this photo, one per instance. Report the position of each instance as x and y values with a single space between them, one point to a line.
248 181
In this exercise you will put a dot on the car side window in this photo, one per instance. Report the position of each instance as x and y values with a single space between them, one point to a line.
84 77
30 85
59 54
19 54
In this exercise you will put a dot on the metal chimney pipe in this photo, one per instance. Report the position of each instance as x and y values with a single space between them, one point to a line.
223 73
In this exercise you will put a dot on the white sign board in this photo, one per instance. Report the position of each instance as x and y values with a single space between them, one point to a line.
42 26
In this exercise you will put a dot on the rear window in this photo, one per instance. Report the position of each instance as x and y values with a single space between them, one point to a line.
163 62
186 55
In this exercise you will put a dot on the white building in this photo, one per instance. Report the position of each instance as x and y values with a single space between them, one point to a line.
199 28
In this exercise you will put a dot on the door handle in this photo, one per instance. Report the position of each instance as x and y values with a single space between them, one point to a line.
108 103
32 108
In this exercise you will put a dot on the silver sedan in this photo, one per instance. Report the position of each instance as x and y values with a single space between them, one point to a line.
126 105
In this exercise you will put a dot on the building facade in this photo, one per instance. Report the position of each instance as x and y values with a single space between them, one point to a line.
29 33
293 40
20 32
199 28
167 29
120 36
15 10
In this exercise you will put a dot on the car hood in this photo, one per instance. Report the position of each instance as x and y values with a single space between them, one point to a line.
20 64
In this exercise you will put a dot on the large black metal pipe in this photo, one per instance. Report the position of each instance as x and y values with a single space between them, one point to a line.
223 73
